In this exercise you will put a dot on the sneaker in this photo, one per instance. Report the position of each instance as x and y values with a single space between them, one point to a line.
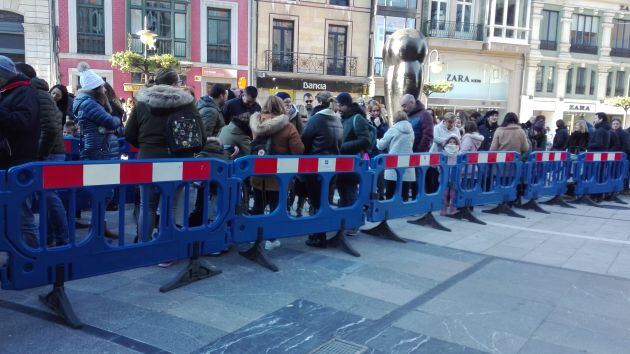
270 245
166 264
276 243
352 232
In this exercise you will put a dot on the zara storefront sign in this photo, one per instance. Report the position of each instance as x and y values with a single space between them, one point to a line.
579 107
473 81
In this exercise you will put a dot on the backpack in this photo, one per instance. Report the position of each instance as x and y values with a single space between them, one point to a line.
184 132
262 146
371 129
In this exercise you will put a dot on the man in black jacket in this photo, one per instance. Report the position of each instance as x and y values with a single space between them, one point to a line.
242 105
561 139
600 141
19 132
488 125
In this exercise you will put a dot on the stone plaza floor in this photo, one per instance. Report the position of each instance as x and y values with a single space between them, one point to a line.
550 283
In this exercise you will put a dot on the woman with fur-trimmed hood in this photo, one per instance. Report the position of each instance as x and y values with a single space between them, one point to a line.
146 126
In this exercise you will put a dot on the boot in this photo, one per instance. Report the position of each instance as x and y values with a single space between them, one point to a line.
316 240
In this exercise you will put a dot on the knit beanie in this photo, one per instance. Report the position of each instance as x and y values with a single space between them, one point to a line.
7 67
344 99
283 95
88 79
166 76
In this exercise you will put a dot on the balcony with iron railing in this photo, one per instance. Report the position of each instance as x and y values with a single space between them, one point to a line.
454 30
583 48
162 46
307 63
548 45
620 52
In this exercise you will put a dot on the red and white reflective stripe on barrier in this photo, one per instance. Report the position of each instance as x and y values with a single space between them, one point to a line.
67 176
603 156
490 157
264 166
394 161
551 156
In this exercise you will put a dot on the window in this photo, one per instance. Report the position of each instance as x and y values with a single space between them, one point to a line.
166 18
219 34
584 31
464 15
609 84
385 26
569 87
410 4
580 81
12 36
339 2
540 73
549 30
510 18
619 83
438 14
337 38
282 53
591 90
620 43
90 27
551 78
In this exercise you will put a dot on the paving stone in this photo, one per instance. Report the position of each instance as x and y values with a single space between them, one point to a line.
108 314
555 251
478 242
147 296
580 338
396 340
593 256
539 347
351 302
375 289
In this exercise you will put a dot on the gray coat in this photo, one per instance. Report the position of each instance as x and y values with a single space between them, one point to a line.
398 140
211 116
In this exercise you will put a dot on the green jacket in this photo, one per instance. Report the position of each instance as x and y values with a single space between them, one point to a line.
50 117
146 126
237 133
356 133
211 116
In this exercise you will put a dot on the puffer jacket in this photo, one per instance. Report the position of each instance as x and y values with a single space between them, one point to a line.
50 120
441 134
19 122
561 140
356 133
422 123
237 134
471 142
600 141
285 140
146 127
323 134
211 115
98 128
487 130
398 140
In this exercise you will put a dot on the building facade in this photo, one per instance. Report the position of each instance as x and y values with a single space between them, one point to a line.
209 37
309 46
26 36
482 45
580 55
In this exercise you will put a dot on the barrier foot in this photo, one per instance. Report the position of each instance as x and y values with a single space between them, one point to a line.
559 201
532 205
615 198
429 220
58 301
466 214
383 230
586 199
257 254
197 269
341 241
503 208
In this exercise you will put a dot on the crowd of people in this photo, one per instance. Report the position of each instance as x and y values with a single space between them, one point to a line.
165 121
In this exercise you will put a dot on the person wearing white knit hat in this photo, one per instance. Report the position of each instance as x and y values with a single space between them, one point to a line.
94 115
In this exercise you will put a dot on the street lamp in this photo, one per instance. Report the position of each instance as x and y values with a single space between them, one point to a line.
435 66
148 39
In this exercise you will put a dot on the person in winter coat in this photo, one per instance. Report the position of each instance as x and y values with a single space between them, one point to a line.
19 134
146 129
272 128
241 106
600 141
398 140
487 127
623 137
61 97
561 139
356 140
443 131
209 107
292 111
323 135
375 114
237 135
472 140
510 136
537 138
117 108
421 121
51 148
452 147
578 141
94 116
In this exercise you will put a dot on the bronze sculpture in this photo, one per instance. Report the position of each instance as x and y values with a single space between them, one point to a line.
403 60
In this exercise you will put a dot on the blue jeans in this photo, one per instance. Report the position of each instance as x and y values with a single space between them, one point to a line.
57 217
27 223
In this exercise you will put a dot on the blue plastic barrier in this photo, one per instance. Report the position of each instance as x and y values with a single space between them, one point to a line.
546 174
382 209
73 148
483 178
599 173
279 224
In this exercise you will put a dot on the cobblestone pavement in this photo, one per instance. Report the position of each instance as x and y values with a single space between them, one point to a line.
549 283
